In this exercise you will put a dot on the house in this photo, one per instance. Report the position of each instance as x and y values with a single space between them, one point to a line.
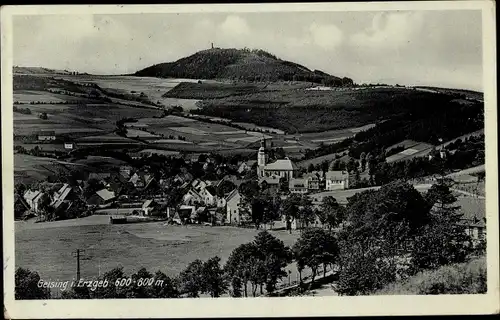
185 213
198 185
283 168
233 207
63 195
298 185
101 198
246 166
200 215
476 229
314 180
143 180
231 178
125 171
69 145
270 183
33 198
46 135
208 196
99 176
192 197
148 207
184 177
337 180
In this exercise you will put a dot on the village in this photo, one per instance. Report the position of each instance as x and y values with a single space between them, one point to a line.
130 191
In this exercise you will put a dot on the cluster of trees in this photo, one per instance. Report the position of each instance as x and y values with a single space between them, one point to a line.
396 232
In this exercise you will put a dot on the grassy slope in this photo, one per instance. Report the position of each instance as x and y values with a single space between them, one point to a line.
463 278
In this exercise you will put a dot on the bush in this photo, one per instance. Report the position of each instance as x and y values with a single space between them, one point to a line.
463 278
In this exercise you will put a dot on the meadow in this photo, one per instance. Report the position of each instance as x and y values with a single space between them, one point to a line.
48 247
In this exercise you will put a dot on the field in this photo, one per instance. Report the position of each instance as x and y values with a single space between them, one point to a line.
29 169
153 88
48 247
413 150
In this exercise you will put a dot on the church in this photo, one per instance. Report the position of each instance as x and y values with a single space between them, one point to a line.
282 168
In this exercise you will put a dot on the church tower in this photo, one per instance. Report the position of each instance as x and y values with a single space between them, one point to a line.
261 158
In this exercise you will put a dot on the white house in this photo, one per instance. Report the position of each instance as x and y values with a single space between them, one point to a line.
191 197
33 199
69 145
232 207
337 180
298 185
208 195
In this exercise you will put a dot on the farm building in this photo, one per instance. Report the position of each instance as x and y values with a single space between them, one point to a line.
46 136
337 180
101 198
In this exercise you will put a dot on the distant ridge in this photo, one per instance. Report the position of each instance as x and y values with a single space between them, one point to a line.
41 70
239 64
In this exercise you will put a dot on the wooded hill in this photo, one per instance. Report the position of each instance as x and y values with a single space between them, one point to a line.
239 64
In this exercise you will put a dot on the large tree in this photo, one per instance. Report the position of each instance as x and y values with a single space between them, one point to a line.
315 247
191 279
444 239
275 256
331 213
213 277
238 265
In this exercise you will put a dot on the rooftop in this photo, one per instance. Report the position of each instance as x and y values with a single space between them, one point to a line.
105 194
336 175
281 165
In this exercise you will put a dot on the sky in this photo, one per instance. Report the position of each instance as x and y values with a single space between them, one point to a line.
438 48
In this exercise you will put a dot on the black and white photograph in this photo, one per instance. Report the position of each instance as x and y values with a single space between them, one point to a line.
175 154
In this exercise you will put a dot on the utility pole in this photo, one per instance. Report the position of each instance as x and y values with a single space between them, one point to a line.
77 255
